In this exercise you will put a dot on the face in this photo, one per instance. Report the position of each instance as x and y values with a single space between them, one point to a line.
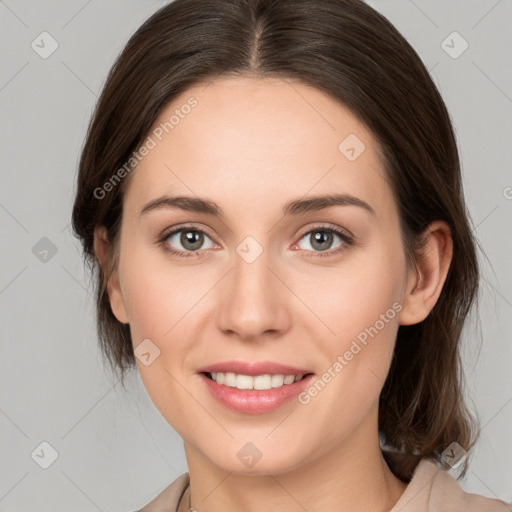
318 287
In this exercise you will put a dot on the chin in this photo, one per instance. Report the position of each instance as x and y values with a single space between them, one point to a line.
256 463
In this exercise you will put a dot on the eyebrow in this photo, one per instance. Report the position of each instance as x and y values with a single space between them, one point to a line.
295 207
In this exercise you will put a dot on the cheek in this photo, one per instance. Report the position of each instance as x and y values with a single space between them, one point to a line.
160 298
161 308
360 304
354 296
361 307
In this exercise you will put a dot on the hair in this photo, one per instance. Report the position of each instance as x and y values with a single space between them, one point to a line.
352 53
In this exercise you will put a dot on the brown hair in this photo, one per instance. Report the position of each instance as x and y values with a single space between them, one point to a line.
352 53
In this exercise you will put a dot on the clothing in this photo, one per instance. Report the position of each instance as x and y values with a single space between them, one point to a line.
431 489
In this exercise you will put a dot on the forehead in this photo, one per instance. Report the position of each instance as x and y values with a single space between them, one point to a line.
257 142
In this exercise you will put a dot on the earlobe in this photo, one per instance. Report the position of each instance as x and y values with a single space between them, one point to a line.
426 281
102 250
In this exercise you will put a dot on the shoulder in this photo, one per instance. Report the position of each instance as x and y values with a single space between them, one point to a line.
432 489
167 500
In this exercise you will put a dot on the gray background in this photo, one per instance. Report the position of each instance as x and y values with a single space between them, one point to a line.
115 451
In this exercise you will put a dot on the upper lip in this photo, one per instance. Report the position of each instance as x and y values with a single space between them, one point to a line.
255 368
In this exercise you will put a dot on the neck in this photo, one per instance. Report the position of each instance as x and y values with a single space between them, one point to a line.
351 476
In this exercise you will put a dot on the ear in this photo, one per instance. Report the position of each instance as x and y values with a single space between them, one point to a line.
425 283
102 249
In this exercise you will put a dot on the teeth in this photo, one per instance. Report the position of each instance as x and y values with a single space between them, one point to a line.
260 382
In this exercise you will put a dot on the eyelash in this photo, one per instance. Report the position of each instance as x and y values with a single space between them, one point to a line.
347 242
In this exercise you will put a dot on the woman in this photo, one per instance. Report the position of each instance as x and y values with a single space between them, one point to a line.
270 192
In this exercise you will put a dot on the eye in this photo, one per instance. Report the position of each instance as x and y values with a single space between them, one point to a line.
321 240
190 239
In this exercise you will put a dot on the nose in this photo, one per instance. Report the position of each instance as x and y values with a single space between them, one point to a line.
253 301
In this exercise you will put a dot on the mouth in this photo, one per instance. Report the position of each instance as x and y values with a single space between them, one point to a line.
255 394
255 382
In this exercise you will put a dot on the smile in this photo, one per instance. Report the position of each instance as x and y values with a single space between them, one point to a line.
258 382
254 394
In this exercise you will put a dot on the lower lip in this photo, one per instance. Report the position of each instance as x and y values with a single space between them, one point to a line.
255 401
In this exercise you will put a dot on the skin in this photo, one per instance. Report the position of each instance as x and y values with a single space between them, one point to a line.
251 145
